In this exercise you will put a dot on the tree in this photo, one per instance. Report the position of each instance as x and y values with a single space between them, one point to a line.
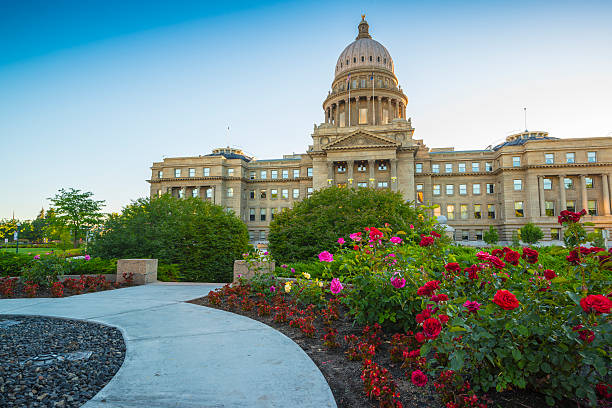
202 238
315 224
531 233
77 210
491 237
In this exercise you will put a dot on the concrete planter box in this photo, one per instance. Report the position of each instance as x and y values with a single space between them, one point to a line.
143 270
242 268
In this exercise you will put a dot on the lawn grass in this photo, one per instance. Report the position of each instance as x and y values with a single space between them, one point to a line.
32 251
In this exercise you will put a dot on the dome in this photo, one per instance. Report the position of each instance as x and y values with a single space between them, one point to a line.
364 52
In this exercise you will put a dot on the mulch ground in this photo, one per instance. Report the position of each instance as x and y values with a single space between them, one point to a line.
343 375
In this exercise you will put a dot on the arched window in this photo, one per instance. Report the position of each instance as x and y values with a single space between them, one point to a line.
385 61
347 62
370 58
377 59
362 58
354 60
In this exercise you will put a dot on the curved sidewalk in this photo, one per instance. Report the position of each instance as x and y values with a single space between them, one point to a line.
184 355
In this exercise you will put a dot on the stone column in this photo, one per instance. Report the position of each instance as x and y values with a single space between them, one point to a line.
401 109
606 194
346 111
583 193
541 193
350 164
379 109
330 173
337 122
562 193
394 181
370 110
371 164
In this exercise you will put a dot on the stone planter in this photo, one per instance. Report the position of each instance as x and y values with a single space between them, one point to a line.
242 268
144 270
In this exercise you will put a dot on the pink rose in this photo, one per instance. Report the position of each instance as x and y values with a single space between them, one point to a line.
272 289
411 226
356 236
418 378
326 257
341 241
472 306
87 257
396 240
398 283
36 256
335 286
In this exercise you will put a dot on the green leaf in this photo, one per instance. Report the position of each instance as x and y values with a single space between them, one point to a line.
516 353
456 360
457 329
546 368
523 331
574 296
550 401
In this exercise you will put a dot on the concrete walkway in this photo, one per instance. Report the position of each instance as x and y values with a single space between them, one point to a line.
184 355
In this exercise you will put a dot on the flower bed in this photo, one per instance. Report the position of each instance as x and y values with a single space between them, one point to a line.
486 331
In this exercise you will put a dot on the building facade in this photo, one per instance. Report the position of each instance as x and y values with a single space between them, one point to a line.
366 140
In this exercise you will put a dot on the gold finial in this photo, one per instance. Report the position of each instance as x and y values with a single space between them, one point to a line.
363 17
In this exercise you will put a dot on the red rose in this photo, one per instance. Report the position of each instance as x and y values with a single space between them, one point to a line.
420 318
426 241
452 267
597 304
512 257
472 272
604 390
550 274
435 234
506 300
443 318
420 337
497 252
432 327
530 255
355 248
496 262
418 378
439 298
375 234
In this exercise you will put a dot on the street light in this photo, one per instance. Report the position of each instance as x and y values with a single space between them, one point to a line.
16 238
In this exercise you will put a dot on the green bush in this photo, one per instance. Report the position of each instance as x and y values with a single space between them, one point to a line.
200 237
315 224
45 270
94 266
169 273
531 233
491 236
11 263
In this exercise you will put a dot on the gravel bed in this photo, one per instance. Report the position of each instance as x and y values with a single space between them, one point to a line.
50 362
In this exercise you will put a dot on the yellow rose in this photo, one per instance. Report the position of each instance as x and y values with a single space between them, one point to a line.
320 284
306 275
287 287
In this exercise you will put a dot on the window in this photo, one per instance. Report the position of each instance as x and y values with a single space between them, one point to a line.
491 211
477 213
273 174
419 193
285 193
181 193
209 193
362 167
263 174
296 173
490 188
518 209
463 189
194 192
475 167
230 172
547 184
465 235
450 212
262 214
341 168
363 81
363 116
448 168
592 157
436 189
273 194
354 84
262 235
463 208
488 166
230 192
251 235
272 213
206 171
549 208
383 184
251 214
362 185
309 171
177 172
450 189
570 157
262 194
286 173
160 174
589 182
252 175
382 166
518 185
569 183
296 193
435 168
571 205
418 168
549 158
555 233
309 192
475 188
592 207
437 211
479 235
516 161
461 167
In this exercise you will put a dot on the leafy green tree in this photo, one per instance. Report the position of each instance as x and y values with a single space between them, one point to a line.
315 224
202 238
78 211
7 228
531 233
491 236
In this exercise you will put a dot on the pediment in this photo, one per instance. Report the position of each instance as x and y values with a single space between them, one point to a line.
360 140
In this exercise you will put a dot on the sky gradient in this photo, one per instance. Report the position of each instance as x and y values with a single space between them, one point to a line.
92 93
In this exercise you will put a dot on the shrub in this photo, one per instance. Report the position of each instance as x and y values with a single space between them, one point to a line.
200 237
11 263
531 233
93 266
315 224
43 270
491 236
169 272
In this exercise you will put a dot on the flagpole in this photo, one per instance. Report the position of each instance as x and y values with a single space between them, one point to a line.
373 109
349 99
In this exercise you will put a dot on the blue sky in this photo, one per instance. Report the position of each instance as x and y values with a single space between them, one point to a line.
91 93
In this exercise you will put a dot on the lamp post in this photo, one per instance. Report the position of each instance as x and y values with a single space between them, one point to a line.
16 238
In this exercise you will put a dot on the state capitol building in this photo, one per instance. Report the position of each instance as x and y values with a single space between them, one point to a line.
366 140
